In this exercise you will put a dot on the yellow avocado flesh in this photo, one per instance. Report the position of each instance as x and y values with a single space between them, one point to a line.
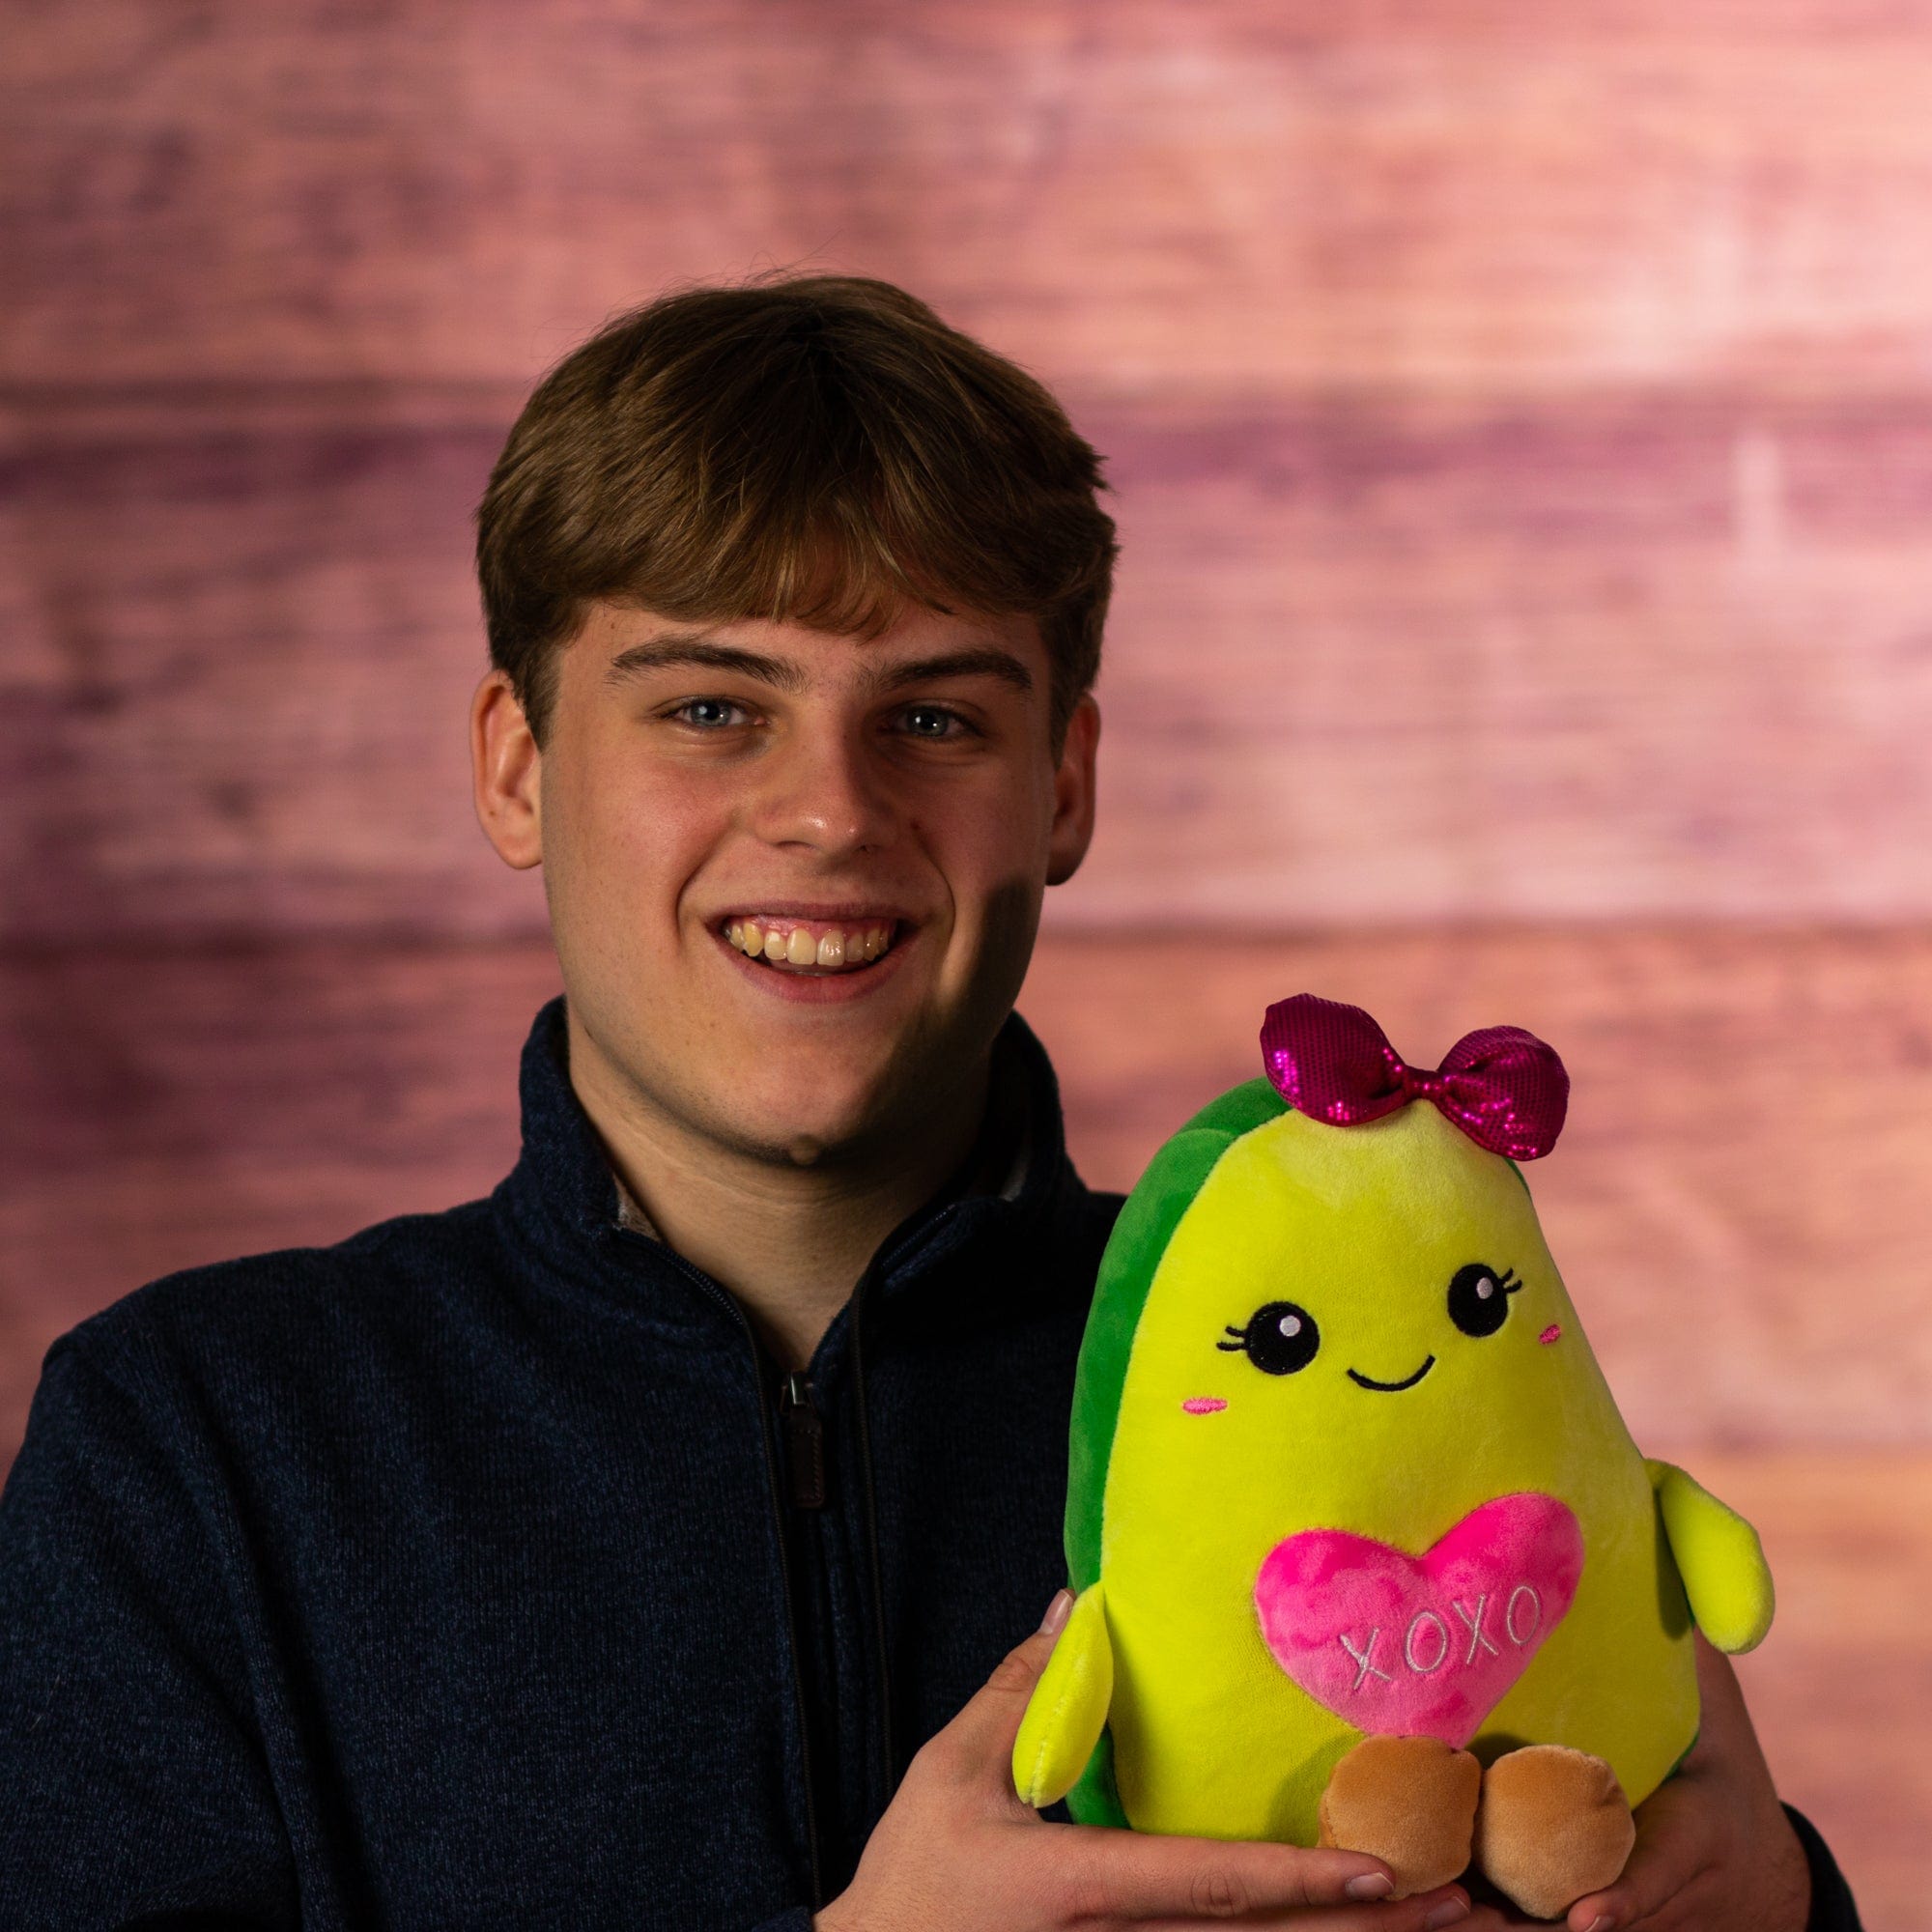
1363 1228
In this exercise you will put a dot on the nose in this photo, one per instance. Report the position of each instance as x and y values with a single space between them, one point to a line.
819 789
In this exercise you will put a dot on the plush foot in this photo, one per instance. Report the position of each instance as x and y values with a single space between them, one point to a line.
1409 1801
1552 1825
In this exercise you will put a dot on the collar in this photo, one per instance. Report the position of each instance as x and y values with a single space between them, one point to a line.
997 1163
563 1206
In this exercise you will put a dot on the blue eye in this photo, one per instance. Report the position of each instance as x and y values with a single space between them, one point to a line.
932 721
707 713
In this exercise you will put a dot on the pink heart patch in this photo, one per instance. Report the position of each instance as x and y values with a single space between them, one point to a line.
1421 1646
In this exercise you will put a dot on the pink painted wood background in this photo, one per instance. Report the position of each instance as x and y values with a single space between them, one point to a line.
1522 420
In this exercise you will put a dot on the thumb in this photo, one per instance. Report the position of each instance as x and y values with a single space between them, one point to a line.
982 1732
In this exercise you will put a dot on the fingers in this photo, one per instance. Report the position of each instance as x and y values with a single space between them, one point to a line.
1399 1918
1723 1724
982 1730
1495 1919
1674 1844
1426 1912
1691 1831
1146 1876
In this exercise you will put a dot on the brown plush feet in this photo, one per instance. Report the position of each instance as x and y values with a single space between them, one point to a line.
1409 1801
1553 1824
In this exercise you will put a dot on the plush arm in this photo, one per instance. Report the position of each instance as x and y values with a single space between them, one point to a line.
1069 1706
1720 1558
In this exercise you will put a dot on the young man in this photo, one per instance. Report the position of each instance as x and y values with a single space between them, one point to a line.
653 1543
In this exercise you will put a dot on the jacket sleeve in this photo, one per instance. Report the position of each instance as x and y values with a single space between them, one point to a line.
132 1787
1832 1909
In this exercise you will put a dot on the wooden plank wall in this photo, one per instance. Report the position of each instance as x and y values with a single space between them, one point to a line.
1523 435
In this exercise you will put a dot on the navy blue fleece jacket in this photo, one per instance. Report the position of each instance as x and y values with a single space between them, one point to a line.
482 1571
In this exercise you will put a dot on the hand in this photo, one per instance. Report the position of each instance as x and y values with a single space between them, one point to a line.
957 1851
1713 1851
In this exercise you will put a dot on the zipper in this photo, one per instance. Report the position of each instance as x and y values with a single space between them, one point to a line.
791 1617
805 1443
872 1541
759 1362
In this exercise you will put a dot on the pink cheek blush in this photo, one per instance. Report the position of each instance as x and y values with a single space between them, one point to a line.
1204 1404
1550 1333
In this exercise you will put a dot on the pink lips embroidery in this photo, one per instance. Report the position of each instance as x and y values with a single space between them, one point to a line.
1421 1646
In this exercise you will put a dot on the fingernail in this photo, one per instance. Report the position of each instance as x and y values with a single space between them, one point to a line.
1447 1914
1602 1923
1370 1885
1056 1611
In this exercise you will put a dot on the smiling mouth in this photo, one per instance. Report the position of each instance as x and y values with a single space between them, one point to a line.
810 946
1370 1382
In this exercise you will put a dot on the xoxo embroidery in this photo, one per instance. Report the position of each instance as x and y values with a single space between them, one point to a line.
1428 1636
1427 1645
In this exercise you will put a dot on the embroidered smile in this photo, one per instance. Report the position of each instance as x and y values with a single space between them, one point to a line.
810 945
1370 1382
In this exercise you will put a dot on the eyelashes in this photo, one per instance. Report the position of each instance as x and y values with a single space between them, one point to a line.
1282 1337
1479 1298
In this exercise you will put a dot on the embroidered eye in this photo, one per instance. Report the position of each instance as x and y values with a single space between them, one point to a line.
1280 1338
1479 1298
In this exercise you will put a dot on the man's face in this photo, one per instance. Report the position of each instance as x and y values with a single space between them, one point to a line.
793 878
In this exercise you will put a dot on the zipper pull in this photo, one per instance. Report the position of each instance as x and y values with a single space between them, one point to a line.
805 1443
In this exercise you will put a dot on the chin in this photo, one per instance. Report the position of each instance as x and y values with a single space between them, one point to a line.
801 1115
803 1142
820 1073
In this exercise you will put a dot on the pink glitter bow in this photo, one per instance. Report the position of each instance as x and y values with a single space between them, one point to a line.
1503 1086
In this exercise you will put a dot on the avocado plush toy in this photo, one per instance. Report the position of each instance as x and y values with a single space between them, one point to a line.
1365 1555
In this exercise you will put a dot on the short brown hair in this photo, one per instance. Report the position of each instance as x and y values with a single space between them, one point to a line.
810 448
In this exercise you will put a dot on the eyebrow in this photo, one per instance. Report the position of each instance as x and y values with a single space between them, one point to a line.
687 650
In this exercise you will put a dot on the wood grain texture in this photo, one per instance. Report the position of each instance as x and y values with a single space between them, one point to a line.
1640 656
1739 1203
1222 196
1840 1690
1372 661
236 683
1523 451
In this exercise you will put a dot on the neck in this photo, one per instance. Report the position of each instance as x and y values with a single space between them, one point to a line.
789 1242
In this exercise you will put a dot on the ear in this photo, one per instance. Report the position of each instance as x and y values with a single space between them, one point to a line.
1072 829
504 768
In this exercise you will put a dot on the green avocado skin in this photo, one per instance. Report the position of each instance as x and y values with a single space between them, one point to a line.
1147 1222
